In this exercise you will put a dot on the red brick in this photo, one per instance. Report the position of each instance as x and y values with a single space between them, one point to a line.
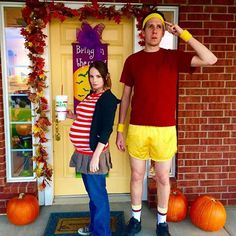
231 55
189 113
230 141
187 155
231 202
233 161
217 162
230 84
210 169
203 32
188 169
196 91
215 9
201 2
212 113
230 113
230 70
195 162
196 134
218 120
215 40
216 189
210 182
210 155
217 176
229 182
213 69
211 127
231 25
189 141
221 134
191 8
195 190
232 188
187 183
222 32
232 175
189 99
211 141
198 17
222 17
222 2
220 149
195 176
196 106
228 168
215 24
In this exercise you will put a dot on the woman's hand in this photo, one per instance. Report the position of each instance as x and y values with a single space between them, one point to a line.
94 163
70 115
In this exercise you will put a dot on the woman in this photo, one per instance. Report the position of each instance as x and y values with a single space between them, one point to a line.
89 134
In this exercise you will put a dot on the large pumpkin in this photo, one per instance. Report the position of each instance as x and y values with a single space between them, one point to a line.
207 213
177 206
23 209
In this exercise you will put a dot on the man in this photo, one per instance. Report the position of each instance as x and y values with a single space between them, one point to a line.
151 75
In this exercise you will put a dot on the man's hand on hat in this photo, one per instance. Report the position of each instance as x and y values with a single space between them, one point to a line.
173 28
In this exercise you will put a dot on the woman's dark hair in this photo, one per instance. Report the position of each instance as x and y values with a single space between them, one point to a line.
158 12
103 70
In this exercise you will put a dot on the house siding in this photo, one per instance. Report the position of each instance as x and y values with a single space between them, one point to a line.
206 160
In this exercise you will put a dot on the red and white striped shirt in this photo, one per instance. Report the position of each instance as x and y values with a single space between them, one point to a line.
80 129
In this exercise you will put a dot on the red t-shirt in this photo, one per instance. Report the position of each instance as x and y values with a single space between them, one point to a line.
154 77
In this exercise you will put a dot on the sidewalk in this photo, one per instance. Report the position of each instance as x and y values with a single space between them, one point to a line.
186 228
183 228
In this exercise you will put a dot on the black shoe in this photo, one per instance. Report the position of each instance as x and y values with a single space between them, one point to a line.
162 230
133 227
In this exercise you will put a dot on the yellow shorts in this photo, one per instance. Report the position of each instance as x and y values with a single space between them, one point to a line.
150 142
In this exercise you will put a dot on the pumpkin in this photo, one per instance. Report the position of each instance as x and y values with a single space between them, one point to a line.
23 129
177 206
23 209
207 213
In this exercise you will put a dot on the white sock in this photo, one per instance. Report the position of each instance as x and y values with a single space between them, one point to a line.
161 215
136 212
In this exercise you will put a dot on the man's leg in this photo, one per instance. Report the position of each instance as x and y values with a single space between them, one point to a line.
138 168
162 170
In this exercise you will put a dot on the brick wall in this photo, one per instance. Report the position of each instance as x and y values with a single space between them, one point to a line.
206 161
206 112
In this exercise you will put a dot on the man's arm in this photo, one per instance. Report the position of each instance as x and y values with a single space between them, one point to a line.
204 56
125 101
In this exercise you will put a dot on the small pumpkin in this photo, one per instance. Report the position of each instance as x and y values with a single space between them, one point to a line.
207 213
24 129
177 206
23 209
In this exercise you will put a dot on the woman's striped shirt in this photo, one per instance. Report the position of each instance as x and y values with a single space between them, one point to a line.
80 129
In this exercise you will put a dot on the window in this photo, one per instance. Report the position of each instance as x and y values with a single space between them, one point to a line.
17 106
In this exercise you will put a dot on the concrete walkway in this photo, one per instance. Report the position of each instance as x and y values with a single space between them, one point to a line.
184 228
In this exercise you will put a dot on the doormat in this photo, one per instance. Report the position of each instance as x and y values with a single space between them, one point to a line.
68 223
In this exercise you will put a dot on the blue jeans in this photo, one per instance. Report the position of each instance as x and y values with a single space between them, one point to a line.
99 204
